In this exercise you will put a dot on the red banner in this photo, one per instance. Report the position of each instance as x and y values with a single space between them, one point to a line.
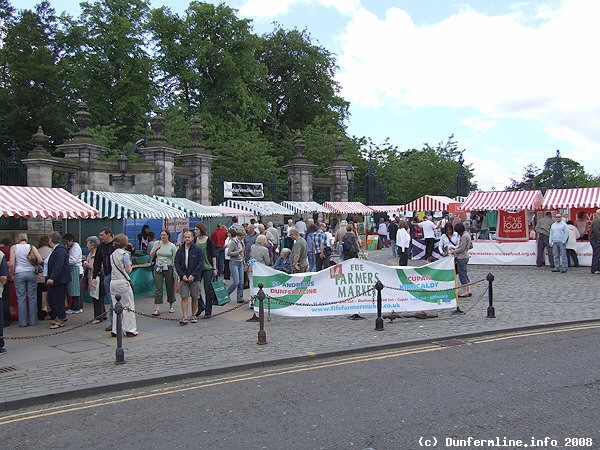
512 227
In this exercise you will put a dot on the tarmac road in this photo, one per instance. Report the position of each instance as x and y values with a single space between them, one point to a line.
540 387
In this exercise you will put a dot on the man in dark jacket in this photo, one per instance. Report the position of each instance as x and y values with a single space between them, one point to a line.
393 230
59 275
102 268
189 261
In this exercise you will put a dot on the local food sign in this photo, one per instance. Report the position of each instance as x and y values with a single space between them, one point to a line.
512 226
348 288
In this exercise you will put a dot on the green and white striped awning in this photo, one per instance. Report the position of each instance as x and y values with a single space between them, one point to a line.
259 208
115 205
305 207
191 208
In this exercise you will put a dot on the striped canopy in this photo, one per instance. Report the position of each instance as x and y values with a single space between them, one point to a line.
430 203
305 207
29 201
259 208
115 205
191 208
572 198
348 208
503 200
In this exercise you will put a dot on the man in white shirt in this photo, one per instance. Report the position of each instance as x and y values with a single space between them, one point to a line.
301 227
428 228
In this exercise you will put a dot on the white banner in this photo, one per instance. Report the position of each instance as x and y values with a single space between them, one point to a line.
345 288
518 253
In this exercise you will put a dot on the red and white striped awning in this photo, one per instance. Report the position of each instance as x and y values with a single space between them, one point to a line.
348 208
503 200
430 203
387 208
572 198
29 201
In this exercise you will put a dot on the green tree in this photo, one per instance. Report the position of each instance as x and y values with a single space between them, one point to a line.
110 69
527 181
207 62
573 175
32 79
410 174
300 88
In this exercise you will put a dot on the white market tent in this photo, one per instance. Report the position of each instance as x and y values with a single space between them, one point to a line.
231 212
348 208
29 201
259 208
571 198
305 207
191 208
430 203
115 205
494 200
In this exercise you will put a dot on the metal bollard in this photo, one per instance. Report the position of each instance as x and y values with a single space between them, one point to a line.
262 334
379 320
491 312
119 354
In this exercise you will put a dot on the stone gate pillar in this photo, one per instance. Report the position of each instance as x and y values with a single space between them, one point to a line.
198 161
39 162
300 173
161 157
337 172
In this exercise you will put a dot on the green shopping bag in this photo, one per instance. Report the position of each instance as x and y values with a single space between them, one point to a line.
221 294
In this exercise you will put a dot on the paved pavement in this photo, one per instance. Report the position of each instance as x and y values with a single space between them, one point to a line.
82 361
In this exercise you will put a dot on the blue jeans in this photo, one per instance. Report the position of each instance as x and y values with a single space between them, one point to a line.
237 273
206 276
394 251
461 268
106 282
559 250
2 322
220 256
26 287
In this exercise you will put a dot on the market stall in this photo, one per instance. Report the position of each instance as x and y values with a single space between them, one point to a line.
433 203
260 209
195 212
44 203
578 205
134 210
354 209
305 207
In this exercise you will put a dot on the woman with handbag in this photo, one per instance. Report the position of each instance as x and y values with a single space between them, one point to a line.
164 272
23 262
210 266
236 251
120 284
461 257
96 290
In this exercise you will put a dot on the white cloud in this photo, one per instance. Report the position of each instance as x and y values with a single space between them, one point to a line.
479 123
535 64
269 9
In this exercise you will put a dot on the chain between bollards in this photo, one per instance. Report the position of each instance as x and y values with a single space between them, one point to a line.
379 320
262 334
491 312
120 353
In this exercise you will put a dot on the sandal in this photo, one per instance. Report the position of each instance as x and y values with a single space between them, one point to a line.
54 326
183 321
194 319
96 321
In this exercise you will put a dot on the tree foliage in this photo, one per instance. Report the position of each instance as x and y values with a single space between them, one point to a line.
558 173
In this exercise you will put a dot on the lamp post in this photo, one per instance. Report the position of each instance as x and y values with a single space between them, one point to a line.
350 178
122 164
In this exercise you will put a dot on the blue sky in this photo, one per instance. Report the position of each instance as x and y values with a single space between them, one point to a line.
512 80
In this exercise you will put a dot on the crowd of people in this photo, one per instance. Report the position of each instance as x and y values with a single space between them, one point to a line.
49 278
